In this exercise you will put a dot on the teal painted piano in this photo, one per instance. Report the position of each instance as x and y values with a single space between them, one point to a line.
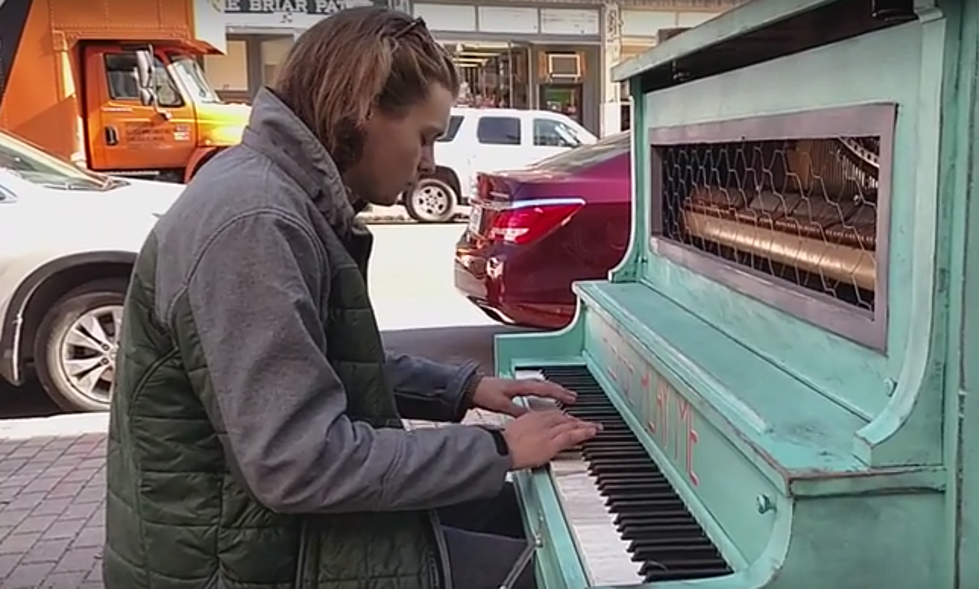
786 362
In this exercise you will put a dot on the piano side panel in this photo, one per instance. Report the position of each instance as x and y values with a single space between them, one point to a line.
960 169
859 542
832 76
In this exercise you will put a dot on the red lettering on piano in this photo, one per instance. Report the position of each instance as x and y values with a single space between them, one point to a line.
686 418
682 412
627 386
691 442
662 391
612 360
672 422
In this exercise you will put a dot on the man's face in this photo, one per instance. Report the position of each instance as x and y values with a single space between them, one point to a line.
397 150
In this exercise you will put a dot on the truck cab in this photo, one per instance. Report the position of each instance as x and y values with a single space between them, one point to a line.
124 94
167 127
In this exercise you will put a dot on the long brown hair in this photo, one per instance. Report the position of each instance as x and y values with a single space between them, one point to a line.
358 59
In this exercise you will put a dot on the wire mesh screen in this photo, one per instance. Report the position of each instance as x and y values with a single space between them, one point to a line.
802 211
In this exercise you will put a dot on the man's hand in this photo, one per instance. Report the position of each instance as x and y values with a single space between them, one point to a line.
537 437
496 394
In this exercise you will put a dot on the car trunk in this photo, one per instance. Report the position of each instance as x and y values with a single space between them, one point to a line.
521 206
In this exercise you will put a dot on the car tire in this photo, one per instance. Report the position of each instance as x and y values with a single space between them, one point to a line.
432 201
76 343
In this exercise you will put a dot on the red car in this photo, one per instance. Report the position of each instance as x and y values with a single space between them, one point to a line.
532 232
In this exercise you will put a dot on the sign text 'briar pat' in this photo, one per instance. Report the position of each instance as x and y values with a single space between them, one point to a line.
670 417
286 6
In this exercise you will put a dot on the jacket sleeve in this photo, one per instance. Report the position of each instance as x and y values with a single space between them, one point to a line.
429 390
253 312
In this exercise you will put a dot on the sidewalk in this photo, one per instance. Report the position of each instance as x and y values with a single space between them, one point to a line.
51 494
52 488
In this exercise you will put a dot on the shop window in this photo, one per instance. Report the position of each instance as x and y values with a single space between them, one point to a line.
450 132
498 131
123 80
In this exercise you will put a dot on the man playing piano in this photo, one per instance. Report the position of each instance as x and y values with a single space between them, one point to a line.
255 435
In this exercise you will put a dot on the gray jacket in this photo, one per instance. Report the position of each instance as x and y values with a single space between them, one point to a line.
262 334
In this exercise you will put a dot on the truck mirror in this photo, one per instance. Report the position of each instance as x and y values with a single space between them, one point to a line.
144 68
147 97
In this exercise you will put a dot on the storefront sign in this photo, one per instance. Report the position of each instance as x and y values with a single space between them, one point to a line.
527 21
293 14
319 7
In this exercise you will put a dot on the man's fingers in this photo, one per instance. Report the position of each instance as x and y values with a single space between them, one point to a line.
573 436
550 390
515 410
552 417
558 430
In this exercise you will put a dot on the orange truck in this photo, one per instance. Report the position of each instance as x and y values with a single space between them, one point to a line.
116 85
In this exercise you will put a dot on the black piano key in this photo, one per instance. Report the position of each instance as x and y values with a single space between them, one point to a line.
637 488
690 551
656 519
680 533
680 570
650 516
627 453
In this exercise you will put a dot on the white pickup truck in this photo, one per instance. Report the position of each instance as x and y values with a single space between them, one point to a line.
488 140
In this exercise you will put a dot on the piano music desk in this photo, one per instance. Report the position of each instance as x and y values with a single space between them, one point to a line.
784 353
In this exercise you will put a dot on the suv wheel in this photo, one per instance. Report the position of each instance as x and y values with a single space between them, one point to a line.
76 343
433 201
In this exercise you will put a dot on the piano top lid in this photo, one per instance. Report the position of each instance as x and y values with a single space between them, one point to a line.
756 32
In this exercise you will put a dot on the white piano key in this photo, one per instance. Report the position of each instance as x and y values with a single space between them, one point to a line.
605 554
523 373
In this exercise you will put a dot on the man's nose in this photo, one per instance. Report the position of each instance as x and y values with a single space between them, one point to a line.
426 165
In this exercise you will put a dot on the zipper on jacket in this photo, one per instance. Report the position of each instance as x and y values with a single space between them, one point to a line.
301 560
443 555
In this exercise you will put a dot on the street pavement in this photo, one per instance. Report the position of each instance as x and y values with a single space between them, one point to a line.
52 465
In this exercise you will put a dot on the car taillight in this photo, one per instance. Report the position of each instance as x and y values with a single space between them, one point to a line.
528 222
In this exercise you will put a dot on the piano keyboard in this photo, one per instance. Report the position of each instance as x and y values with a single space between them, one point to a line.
643 516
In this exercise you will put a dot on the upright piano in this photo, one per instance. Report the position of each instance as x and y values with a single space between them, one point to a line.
786 361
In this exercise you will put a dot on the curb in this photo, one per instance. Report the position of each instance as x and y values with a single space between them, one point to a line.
70 425
370 220
397 215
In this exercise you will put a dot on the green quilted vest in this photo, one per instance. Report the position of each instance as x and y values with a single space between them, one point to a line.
177 518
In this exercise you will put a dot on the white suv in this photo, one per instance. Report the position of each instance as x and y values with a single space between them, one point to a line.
68 241
488 140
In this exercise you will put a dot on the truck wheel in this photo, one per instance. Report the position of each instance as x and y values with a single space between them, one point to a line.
76 343
433 201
